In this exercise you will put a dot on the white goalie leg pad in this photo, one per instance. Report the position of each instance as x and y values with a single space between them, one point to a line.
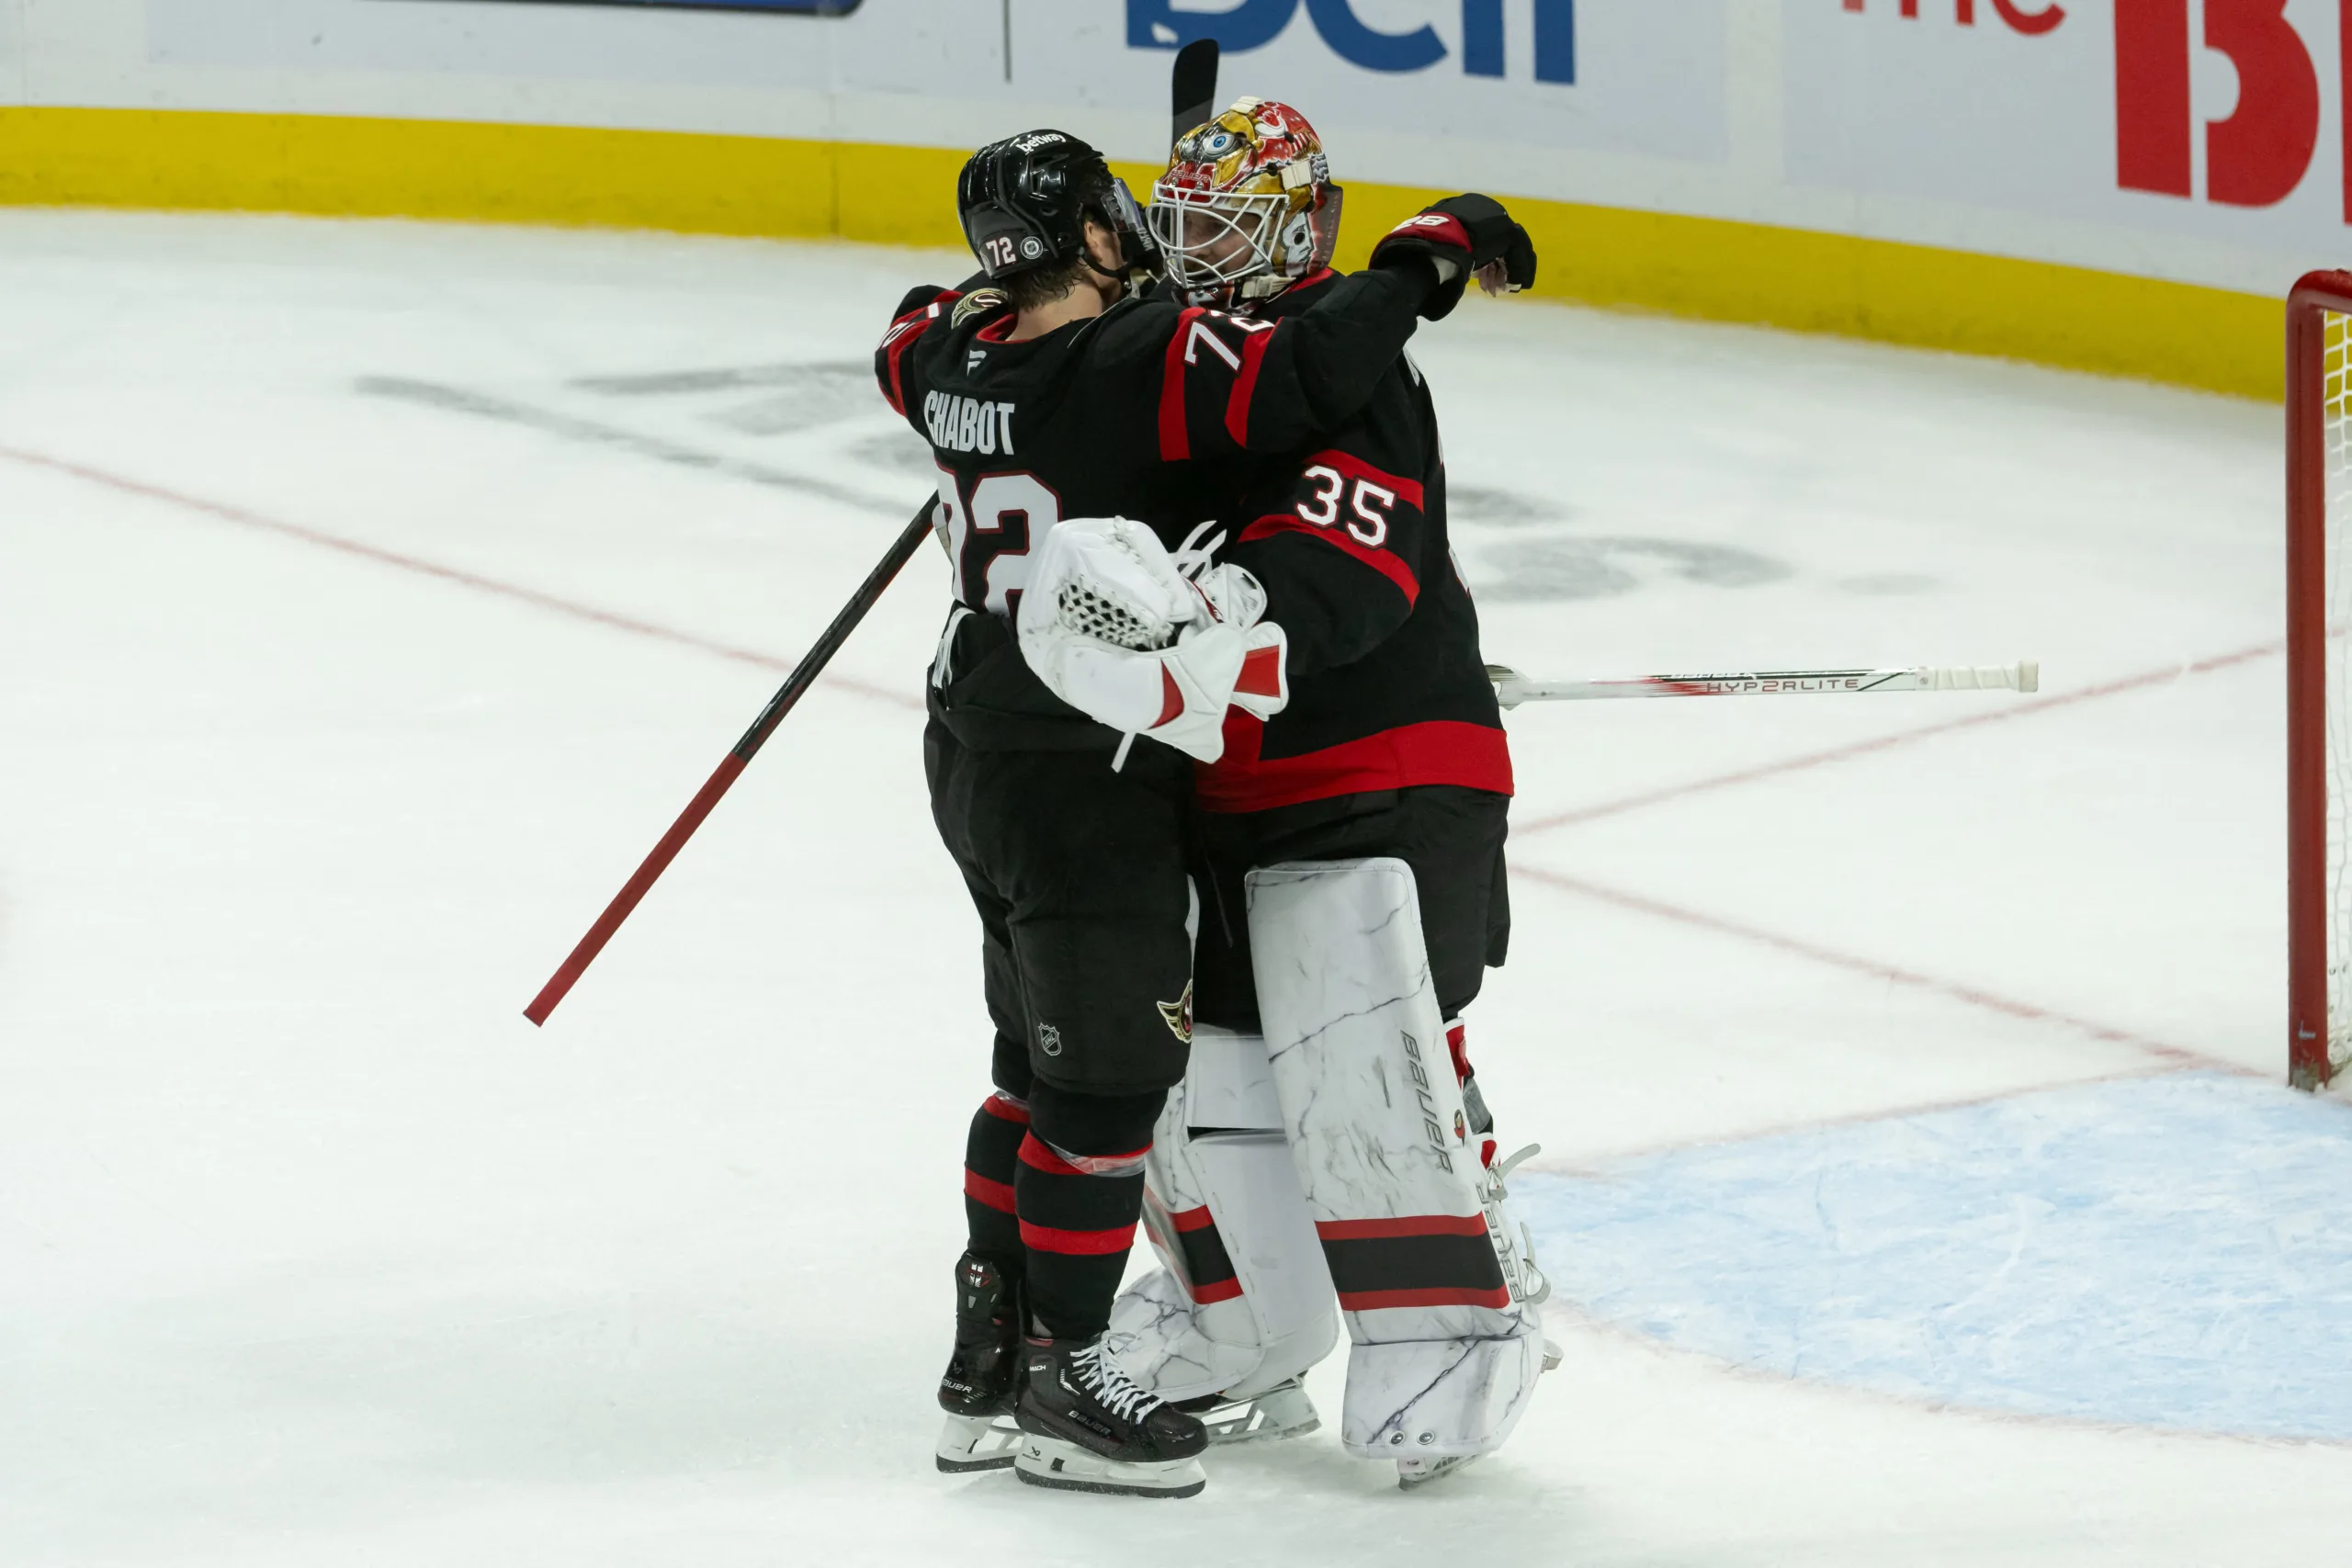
1427 1263
1438 1398
1242 1301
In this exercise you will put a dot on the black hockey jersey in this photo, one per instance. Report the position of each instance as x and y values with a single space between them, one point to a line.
1388 687
1139 412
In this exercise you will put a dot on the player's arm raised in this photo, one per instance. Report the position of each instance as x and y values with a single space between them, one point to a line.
1230 383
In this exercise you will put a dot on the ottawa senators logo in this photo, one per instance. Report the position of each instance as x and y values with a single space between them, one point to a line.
1178 1015
978 302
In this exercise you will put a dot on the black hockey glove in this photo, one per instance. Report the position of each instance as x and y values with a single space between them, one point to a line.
1463 234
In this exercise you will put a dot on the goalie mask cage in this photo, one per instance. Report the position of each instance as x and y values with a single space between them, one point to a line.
2319 680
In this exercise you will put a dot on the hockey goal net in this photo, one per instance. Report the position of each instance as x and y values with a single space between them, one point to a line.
2319 678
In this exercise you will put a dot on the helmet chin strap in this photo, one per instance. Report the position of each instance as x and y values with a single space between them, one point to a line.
1125 274
1127 279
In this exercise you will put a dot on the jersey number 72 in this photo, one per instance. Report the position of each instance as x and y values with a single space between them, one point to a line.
989 523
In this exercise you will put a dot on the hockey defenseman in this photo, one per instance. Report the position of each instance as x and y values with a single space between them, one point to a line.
1333 1066
1053 391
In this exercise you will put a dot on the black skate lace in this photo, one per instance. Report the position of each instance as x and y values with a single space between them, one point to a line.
1111 1387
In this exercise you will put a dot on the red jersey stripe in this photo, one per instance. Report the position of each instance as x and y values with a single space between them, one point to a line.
1377 1301
1005 1109
1401 1226
996 1195
1245 386
1441 751
1175 437
915 323
1198 1218
1078 1244
1387 564
1355 468
1221 1290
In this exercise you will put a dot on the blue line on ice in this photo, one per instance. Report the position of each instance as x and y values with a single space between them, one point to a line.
2170 1252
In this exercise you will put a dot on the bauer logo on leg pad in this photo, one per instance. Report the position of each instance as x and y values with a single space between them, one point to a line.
1413 1065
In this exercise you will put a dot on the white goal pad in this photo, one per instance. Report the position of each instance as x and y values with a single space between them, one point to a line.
1445 1347
1242 1301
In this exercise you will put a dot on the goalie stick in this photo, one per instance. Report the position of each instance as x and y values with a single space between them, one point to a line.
803 676
1192 87
1511 688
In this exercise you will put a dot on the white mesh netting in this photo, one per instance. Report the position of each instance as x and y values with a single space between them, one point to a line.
2336 421
1081 609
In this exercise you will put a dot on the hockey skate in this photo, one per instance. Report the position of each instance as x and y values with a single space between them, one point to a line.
1282 1411
982 1377
1086 1426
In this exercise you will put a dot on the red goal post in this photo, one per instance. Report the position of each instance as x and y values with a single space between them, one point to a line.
2319 682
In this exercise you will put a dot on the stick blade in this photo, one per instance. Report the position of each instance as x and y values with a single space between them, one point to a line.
1192 87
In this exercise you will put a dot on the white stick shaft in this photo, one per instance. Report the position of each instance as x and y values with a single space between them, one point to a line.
1511 688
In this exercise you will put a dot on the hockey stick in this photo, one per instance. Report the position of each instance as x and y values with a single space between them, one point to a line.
803 676
1191 85
1511 688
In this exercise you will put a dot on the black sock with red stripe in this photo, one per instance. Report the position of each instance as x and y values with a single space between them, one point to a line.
992 1154
1080 1191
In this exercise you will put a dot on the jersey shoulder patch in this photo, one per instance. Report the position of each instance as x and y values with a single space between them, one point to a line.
979 303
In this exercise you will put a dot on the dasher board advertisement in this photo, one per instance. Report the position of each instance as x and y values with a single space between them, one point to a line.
2222 119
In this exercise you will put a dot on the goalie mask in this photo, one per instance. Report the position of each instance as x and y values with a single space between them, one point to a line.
1247 205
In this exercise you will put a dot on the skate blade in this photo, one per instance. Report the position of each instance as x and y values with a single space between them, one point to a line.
1064 1466
1284 1411
968 1443
1417 1472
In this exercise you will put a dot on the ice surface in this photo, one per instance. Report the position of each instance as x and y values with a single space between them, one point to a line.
313 1251
2166 1251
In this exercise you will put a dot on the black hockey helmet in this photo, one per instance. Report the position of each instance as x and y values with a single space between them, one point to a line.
1024 202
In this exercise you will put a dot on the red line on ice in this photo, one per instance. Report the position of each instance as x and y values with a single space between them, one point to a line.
423 567
1599 1166
1954 990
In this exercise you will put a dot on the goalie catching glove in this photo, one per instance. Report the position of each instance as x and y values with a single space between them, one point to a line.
1115 629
